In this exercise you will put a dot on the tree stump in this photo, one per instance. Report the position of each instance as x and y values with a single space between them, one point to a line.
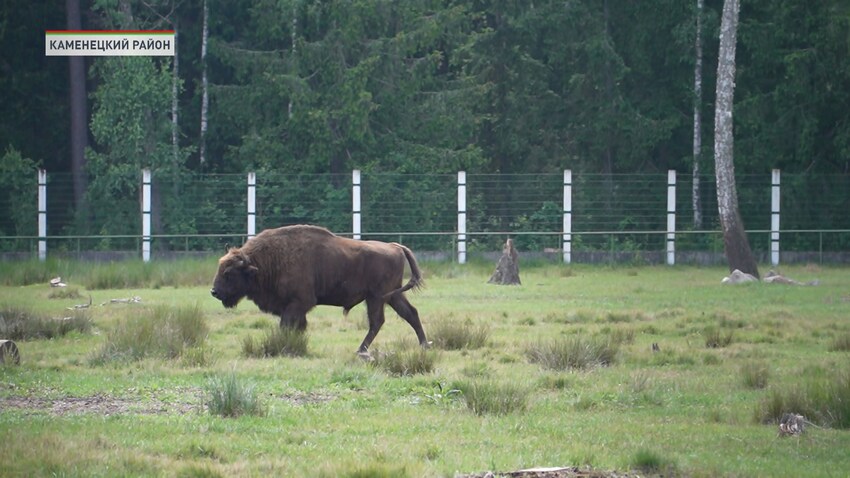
9 353
507 270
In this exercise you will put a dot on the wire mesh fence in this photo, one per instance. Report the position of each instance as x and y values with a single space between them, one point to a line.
620 213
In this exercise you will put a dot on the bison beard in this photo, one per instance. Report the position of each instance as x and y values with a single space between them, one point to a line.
289 270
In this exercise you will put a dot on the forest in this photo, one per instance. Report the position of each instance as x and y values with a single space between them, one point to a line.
423 87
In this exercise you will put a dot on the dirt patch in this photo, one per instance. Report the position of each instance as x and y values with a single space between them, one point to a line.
310 398
555 472
106 405
99 404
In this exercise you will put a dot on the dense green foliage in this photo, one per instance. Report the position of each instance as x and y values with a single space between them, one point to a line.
304 91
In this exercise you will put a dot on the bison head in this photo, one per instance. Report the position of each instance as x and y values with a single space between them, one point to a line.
234 278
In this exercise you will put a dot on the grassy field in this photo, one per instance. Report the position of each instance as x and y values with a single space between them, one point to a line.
730 361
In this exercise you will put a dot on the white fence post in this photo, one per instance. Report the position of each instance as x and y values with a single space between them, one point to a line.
567 240
774 217
671 217
42 214
146 215
252 204
355 204
461 217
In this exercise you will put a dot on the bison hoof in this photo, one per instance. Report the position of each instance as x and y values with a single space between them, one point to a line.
365 356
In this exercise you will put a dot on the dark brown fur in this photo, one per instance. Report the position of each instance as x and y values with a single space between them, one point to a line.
289 270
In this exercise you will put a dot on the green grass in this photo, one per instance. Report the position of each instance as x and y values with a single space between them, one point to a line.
573 352
404 358
276 341
494 398
18 323
452 334
823 398
684 410
840 343
231 396
162 332
755 374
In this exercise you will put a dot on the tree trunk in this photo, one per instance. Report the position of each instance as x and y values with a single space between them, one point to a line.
294 38
507 270
697 206
175 105
205 98
608 153
79 114
735 242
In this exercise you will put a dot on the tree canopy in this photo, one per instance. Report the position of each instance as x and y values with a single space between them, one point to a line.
431 86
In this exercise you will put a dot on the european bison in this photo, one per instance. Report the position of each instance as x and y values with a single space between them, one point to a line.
289 270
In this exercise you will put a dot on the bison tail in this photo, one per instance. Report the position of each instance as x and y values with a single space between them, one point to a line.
415 281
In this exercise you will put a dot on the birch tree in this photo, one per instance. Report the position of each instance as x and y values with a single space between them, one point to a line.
205 97
737 247
697 206
175 98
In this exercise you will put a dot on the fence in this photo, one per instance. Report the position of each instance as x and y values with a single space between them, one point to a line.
576 217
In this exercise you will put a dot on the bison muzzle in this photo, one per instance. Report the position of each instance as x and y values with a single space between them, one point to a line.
289 270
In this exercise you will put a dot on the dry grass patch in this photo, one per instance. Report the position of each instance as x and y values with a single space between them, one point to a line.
23 324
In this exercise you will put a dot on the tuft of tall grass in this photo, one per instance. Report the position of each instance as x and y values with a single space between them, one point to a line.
840 343
650 462
21 324
755 375
489 397
21 273
162 332
824 400
451 334
110 275
276 341
198 356
716 337
404 358
621 335
374 470
229 396
65 293
573 352
117 275
136 274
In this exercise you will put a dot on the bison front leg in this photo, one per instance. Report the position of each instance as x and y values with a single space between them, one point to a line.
294 317
375 310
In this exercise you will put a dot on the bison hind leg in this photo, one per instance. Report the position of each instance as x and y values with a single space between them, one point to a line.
408 312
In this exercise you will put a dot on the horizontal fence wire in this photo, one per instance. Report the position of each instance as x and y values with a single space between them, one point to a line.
617 212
